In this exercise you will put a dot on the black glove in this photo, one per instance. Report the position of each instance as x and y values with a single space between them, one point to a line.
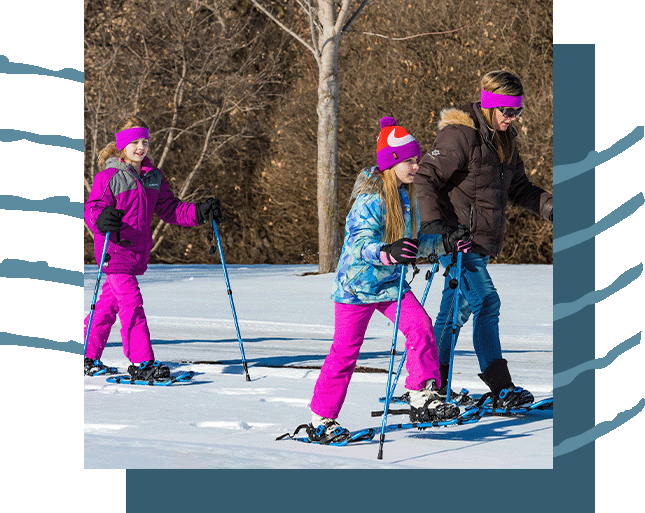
454 239
402 251
206 208
459 239
110 220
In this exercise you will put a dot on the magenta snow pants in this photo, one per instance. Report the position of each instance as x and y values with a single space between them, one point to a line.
422 361
120 295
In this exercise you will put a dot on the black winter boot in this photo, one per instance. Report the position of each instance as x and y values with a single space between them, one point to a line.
444 369
503 392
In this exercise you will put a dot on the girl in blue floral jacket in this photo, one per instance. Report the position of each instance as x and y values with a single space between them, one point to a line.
381 232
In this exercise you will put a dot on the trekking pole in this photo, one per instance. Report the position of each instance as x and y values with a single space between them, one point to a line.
454 283
392 353
96 291
429 277
230 297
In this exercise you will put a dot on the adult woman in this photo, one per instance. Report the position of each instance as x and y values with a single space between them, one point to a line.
464 184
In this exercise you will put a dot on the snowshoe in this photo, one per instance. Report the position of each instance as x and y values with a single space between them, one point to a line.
96 367
434 410
149 370
328 433
319 436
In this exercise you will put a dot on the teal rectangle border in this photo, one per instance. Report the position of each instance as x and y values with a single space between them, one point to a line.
570 486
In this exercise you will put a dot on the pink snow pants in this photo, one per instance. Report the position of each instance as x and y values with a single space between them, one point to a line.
120 295
422 361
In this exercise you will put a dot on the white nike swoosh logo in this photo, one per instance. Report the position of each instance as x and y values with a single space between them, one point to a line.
393 140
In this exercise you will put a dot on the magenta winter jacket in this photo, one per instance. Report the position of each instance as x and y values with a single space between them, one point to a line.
120 186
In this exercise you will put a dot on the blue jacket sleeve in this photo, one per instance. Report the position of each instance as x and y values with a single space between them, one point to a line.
364 228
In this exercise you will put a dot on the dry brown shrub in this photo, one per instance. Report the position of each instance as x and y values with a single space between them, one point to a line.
267 179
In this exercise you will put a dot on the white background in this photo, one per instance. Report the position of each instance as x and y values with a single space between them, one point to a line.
54 461
613 28
41 433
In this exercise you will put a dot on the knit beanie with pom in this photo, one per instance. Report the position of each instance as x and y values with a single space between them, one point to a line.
394 145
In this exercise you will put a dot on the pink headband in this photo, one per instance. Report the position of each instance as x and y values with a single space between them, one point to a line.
492 100
125 137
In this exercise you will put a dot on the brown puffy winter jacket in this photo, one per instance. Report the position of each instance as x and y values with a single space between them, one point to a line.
462 181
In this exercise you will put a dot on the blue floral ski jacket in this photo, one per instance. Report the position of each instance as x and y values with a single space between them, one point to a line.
361 277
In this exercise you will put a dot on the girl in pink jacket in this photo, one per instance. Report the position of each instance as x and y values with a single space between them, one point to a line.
123 199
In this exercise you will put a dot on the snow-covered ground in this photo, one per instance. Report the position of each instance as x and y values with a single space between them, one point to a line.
285 314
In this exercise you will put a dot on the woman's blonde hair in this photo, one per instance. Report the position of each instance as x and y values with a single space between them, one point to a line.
110 150
384 182
506 83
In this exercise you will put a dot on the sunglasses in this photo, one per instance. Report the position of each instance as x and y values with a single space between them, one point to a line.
507 112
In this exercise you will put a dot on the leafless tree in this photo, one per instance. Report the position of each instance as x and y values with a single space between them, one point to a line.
328 21
197 71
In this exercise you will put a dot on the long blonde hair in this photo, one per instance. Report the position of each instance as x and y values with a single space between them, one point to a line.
384 182
110 150
506 83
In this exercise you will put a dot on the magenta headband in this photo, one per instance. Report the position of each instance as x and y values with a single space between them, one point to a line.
125 137
492 100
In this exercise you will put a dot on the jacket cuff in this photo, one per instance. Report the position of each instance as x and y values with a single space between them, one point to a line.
433 227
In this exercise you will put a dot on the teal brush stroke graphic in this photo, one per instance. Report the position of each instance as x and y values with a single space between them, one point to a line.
562 379
9 339
561 174
562 310
16 68
565 172
612 219
10 268
575 442
9 135
54 205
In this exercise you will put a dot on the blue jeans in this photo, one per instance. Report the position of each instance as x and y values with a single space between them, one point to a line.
477 295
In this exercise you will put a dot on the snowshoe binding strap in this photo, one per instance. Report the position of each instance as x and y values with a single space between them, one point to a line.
287 435
514 397
149 371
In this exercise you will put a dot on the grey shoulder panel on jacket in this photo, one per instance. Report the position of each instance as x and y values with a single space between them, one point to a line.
122 180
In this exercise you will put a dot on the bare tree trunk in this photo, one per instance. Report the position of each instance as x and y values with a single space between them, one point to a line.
327 26
328 228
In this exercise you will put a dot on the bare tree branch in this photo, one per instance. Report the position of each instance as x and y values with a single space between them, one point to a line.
285 28
356 14
415 35
175 114
161 226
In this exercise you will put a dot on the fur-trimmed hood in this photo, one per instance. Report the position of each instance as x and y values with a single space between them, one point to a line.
469 115
454 116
